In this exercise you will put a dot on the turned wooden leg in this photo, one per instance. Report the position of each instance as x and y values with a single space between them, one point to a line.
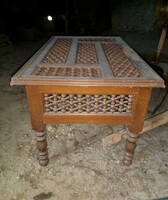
36 114
42 148
130 146
139 111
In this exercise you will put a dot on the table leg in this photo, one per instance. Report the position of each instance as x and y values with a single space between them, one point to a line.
42 148
130 146
36 113
140 108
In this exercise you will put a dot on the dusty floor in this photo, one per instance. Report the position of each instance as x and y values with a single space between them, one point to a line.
80 168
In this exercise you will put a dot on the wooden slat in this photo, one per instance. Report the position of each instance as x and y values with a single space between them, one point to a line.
86 119
149 124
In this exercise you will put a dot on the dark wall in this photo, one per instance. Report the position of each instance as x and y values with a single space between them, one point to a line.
133 15
89 16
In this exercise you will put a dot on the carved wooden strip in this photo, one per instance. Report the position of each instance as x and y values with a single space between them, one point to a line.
68 71
96 40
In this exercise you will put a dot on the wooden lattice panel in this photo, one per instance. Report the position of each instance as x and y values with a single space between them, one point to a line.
68 71
86 103
96 40
86 54
118 61
59 53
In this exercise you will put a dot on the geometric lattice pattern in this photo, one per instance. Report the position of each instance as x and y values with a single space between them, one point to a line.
95 40
86 54
59 53
118 61
67 71
88 103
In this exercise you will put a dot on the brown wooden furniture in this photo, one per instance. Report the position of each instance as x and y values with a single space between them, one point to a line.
98 80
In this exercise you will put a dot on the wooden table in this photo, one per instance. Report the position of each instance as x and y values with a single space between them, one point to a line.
92 80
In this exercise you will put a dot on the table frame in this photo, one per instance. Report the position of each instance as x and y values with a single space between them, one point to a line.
134 120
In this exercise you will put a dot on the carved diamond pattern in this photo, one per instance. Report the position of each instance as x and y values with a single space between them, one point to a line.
96 40
68 71
120 64
86 54
59 53
86 103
